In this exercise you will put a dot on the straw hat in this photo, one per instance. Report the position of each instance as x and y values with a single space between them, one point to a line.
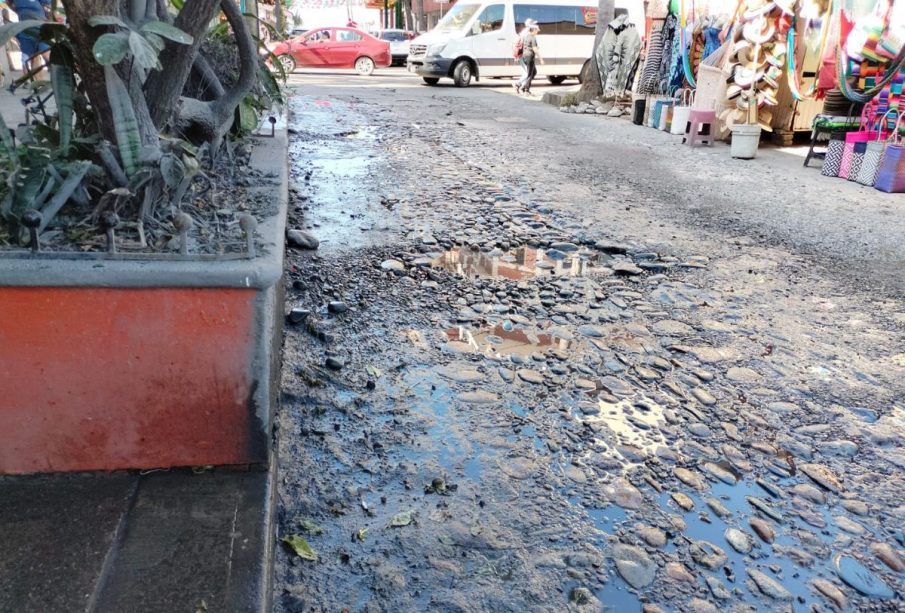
759 30
787 6
757 8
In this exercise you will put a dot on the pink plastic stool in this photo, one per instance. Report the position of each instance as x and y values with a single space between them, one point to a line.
700 128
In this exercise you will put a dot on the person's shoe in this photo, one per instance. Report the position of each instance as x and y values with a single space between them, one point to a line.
518 88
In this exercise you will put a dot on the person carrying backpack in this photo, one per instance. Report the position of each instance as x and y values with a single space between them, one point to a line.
528 55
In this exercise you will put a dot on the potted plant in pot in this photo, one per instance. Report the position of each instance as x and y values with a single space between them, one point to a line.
140 246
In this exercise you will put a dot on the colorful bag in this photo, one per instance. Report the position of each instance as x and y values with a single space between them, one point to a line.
857 160
873 153
832 159
891 175
668 104
863 135
658 117
682 112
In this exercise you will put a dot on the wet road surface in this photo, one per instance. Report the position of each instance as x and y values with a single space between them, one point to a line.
536 367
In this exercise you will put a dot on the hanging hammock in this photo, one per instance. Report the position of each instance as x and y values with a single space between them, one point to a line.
792 69
842 61
683 43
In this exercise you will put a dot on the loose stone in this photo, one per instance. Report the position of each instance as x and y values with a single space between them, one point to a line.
740 541
763 529
832 593
634 565
768 585
862 579
708 555
822 476
530 376
888 556
300 239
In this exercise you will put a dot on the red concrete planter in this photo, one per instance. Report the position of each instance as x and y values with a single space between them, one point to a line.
110 363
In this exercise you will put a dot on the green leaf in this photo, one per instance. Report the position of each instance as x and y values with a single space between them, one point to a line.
125 123
10 30
144 52
311 528
167 31
402 519
6 139
62 77
172 170
374 371
248 118
111 48
107 20
301 547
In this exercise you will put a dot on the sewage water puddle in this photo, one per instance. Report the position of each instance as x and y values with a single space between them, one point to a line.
520 263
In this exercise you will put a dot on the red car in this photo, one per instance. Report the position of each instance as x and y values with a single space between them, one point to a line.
334 48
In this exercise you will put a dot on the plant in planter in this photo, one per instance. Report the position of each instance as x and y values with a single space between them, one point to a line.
138 360
135 98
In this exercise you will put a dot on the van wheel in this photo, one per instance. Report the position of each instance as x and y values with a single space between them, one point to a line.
556 80
431 80
462 74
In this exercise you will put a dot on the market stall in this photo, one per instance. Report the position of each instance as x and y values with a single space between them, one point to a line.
737 69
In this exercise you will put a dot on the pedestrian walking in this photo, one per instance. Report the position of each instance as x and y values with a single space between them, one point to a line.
529 57
29 40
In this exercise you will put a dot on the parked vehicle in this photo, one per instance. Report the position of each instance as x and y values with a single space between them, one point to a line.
474 39
399 44
334 48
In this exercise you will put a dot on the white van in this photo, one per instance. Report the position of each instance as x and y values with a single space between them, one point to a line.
475 39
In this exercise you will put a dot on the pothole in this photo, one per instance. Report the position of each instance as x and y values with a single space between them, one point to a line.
520 263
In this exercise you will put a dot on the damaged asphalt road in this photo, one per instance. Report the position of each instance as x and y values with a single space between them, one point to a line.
518 383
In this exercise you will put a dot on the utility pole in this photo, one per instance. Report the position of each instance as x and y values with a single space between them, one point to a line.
386 14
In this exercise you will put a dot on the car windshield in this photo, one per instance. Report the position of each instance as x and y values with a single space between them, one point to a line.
396 37
457 17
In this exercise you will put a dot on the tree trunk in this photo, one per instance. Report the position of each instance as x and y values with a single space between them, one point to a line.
163 88
591 87
420 19
279 16
78 12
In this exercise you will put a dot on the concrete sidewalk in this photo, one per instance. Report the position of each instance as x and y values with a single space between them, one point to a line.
125 541
11 106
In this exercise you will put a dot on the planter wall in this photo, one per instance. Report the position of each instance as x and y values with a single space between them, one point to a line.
111 363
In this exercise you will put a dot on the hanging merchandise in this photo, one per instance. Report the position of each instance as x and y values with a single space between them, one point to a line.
684 45
862 57
891 175
670 43
649 83
792 75
873 153
757 59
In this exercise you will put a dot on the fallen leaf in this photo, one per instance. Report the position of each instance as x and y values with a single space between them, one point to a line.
446 540
374 371
301 547
361 533
402 519
311 528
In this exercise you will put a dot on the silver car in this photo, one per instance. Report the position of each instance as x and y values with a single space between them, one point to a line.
399 44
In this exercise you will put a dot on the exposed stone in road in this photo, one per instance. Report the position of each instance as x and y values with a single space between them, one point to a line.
580 379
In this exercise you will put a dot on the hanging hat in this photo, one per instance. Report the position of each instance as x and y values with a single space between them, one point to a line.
787 6
747 77
757 8
759 30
